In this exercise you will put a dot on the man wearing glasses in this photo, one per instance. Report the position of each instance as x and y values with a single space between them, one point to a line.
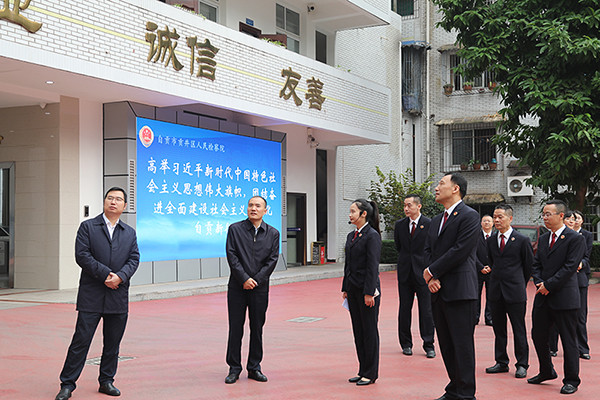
557 296
107 252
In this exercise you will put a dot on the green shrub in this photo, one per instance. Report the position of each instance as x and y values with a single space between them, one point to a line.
389 254
595 257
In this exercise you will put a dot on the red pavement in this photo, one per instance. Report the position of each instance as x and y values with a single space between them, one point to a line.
179 345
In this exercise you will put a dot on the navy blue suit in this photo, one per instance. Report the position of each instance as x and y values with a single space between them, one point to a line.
452 260
583 278
361 277
511 270
483 279
411 263
556 268
98 255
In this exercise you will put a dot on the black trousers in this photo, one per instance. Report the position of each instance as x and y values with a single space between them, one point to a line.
406 292
366 333
516 313
582 336
113 328
455 332
238 301
544 318
487 314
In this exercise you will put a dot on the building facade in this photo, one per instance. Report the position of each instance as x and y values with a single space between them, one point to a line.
75 77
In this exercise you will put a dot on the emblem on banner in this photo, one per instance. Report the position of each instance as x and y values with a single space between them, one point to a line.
146 136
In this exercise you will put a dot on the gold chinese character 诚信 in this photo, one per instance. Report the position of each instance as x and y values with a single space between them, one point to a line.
166 44
207 52
15 16
313 96
291 82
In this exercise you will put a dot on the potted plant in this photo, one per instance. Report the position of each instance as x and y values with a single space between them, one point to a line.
448 88
468 85
476 165
493 164
464 167
492 85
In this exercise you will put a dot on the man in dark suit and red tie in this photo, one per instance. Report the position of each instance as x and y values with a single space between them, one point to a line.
409 236
583 277
483 270
557 296
510 256
451 275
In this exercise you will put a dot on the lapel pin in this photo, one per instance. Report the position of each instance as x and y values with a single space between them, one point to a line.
360 235
455 213
562 236
421 227
512 239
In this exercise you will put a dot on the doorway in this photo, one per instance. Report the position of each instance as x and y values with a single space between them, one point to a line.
7 224
296 229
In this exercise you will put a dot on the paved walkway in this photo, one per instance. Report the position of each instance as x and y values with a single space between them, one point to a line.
177 346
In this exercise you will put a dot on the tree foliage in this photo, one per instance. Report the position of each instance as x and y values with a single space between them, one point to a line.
389 192
545 57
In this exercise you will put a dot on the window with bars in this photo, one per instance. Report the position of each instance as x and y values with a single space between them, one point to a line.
412 69
288 23
587 224
458 80
465 143
403 7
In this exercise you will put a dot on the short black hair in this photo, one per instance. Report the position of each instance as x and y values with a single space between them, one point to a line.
561 206
579 213
459 180
259 197
116 189
413 196
508 210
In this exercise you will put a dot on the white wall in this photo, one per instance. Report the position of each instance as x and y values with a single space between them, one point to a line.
90 156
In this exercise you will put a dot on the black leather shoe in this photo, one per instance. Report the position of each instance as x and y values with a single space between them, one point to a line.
257 376
496 369
231 378
430 353
365 381
355 379
444 397
536 380
64 394
585 356
407 351
553 353
521 372
109 389
568 389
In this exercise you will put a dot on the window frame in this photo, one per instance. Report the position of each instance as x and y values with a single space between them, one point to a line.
292 36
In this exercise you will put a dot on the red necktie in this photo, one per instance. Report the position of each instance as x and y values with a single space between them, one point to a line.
553 240
355 235
487 236
501 243
412 230
445 219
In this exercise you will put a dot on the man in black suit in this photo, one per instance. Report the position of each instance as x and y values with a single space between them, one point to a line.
583 278
409 236
511 257
483 269
106 250
252 253
452 278
557 296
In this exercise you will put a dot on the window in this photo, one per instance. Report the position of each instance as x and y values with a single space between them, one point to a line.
403 7
412 70
209 11
288 22
463 143
458 80
587 224
321 47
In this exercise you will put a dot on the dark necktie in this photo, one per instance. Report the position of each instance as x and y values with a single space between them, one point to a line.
445 219
412 230
553 240
355 235
486 236
501 243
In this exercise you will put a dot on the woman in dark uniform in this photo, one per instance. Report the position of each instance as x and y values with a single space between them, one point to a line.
361 287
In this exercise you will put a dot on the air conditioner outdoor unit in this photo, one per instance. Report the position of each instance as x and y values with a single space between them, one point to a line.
517 187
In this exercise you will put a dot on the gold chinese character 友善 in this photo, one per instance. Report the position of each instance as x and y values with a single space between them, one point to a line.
166 44
15 16
313 96
291 82
207 52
